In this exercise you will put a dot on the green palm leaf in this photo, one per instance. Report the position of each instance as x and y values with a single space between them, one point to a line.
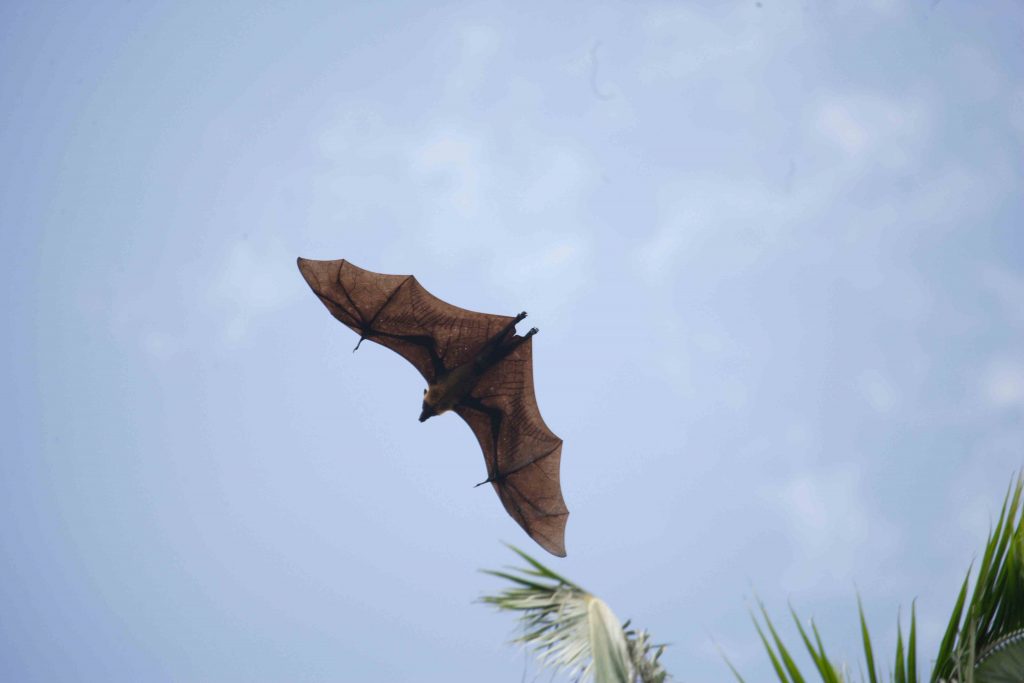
1003 661
573 631
995 610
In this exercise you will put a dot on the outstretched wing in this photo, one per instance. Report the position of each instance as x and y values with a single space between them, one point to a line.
397 312
523 456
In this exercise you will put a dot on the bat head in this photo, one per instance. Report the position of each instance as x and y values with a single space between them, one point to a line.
428 410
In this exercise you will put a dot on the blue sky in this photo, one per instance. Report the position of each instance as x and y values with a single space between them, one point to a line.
774 251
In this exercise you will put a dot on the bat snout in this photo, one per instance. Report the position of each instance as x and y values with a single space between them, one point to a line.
427 413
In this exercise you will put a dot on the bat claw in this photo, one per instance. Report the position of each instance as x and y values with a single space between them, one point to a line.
454 351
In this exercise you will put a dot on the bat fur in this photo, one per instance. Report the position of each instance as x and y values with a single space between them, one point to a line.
476 366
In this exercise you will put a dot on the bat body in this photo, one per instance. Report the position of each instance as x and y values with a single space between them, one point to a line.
456 386
476 366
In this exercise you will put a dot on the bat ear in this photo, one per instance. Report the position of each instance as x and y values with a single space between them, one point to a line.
424 392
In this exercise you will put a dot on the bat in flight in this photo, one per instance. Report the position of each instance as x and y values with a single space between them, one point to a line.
475 365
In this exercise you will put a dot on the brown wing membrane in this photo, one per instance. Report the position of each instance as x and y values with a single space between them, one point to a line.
397 312
523 456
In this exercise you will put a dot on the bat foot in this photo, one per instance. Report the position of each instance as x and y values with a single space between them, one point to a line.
520 317
533 331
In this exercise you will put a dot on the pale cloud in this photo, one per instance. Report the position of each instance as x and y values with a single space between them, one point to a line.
1003 383
515 218
683 41
654 260
891 8
701 222
839 124
560 176
478 46
160 345
879 391
977 73
934 201
552 274
704 232
743 651
975 515
957 192
355 182
348 133
252 278
253 281
451 164
868 127
832 526
506 206
473 209
1016 107
1007 287
975 491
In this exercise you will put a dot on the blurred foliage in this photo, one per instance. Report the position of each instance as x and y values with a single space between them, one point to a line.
573 631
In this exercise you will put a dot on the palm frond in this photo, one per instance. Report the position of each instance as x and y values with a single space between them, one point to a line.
644 655
995 610
573 631
1002 661
983 642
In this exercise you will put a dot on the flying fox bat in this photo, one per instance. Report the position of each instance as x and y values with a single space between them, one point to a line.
475 365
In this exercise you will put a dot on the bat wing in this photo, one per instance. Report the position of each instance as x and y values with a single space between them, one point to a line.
397 312
523 455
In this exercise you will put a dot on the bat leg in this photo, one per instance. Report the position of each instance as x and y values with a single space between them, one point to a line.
498 350
516 343
510 328
495 349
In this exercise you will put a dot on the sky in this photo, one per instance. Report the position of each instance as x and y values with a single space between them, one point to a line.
774 250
